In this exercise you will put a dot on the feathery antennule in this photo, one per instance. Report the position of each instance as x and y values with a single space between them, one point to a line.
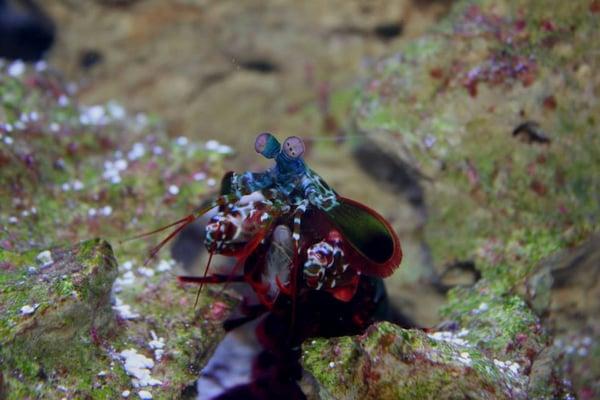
163 228
185 222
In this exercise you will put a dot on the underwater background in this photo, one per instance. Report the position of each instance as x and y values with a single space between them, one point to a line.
470 125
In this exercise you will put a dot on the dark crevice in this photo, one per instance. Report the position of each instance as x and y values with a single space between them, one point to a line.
118 3
391 170
388 31
261 66
384 32
90 58
465 270
26 33
189 392
531 132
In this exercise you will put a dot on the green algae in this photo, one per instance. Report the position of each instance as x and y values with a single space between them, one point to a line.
56 334
71 172
451 107
493 197
405 364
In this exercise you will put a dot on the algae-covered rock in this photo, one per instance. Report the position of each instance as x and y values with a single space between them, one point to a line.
494 113
54 305
496 109
63 333
388 362
73 323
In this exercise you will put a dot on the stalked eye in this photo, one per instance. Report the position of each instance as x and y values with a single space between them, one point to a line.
293 147
267 145
261 142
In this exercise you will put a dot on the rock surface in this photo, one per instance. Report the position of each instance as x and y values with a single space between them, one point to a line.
80 321
493 115
408 364
231 69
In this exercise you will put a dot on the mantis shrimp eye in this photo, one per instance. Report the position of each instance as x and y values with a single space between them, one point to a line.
267 145
293 147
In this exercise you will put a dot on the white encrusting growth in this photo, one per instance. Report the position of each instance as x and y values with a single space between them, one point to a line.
165 265
213 145
137 151
103 211
93 115
124 310
77 185
157 344
115 110
464 358
145 271
450 337
138 366
173 190
45 258
483 307
16 68
63 100
127 279
112 170
199 176
512 369
28 310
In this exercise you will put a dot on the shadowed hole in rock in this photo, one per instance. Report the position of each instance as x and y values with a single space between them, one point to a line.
261 66
388 31
391 170
90 58
462 273
189 392
26 32
118 3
